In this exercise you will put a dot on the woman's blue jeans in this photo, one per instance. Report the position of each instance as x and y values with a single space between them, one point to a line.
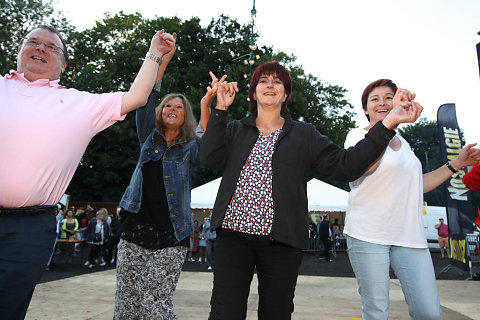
413 267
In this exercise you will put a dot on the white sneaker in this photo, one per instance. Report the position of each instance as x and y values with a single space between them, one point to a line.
103 264
209 268
86 263
113 260
190 259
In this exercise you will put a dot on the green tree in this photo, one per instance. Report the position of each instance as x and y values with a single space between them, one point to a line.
107 57
19 16
423 139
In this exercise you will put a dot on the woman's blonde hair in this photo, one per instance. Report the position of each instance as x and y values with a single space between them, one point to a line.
103 211
190 123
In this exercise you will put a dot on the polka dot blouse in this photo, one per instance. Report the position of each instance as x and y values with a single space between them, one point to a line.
251 207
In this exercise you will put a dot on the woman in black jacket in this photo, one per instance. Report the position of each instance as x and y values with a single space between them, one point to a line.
260 213
97 234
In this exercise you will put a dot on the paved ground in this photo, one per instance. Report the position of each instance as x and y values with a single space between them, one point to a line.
324 291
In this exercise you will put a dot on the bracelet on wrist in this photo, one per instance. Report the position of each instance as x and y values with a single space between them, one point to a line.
153 57
449 166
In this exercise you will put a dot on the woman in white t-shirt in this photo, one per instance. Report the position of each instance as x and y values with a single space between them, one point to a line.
384 223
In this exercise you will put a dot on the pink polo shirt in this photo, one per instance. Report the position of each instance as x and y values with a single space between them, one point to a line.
44 131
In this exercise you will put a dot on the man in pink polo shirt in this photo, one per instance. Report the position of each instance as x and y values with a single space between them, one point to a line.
40 152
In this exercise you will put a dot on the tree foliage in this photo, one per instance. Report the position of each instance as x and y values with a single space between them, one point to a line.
423 138
19 16
107 58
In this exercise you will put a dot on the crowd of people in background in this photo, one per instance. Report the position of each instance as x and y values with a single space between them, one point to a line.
72 232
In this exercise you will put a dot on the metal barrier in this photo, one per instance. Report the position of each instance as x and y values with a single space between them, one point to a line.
472 246
336 244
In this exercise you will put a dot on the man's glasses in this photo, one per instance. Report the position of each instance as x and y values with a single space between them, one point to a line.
48 46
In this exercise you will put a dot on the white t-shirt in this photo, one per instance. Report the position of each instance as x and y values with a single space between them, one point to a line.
385 206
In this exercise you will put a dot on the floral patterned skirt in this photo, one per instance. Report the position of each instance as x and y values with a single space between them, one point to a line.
146 281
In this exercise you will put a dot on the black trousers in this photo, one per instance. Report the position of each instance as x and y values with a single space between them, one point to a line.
236 258
326 249
95 249
26 242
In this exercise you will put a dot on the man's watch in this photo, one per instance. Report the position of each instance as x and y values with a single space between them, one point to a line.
154 57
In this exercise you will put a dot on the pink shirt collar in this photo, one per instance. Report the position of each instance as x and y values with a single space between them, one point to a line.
40 82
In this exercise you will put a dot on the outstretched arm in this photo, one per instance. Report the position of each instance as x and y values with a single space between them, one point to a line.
137 96
467 157
166 58
145 115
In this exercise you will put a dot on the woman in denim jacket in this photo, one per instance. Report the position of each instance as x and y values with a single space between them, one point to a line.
155 233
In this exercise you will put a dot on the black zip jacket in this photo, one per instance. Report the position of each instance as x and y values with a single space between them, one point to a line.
299 151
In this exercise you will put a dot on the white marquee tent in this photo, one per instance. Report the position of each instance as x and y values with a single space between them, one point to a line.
321 196
325 197
203 197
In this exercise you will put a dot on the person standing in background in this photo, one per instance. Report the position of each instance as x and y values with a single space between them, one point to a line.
324 234
442 229
211 238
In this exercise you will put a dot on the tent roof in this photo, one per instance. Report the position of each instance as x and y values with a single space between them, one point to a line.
325 197
203 197
321 196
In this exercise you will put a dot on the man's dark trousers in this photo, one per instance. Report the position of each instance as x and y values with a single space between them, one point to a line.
26 242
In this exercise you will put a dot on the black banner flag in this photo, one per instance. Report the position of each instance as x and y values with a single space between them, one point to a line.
459 201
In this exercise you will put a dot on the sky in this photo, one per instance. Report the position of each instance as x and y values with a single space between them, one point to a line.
425 46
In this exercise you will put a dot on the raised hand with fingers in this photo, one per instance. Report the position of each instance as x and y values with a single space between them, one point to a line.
402 98
212 89
162 43
225 94
167 56
468 156
208 99
405 109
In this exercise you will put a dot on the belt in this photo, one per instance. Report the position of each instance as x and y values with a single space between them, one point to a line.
33 210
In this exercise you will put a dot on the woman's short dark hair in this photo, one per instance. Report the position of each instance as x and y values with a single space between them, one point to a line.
375 84
267 69
52 30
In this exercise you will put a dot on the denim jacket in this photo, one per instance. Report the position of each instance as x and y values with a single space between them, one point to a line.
178 164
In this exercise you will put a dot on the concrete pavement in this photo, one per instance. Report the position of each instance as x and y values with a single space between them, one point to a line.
92 296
